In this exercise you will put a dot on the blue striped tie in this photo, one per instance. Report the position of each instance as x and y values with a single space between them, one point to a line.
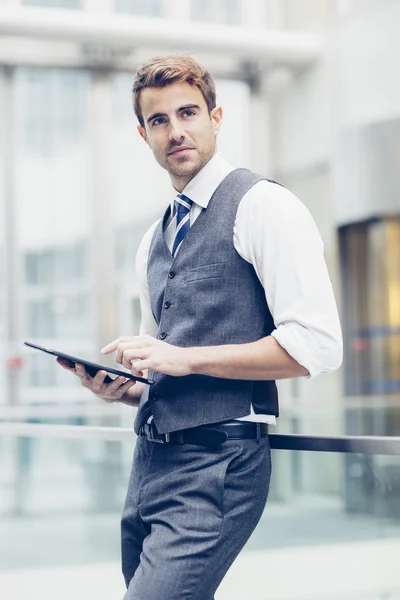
183 205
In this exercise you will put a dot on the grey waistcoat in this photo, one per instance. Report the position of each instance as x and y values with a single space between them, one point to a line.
207 296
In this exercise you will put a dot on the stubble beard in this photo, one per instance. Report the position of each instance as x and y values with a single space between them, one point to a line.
183 170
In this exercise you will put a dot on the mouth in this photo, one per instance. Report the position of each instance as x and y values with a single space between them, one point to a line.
179 150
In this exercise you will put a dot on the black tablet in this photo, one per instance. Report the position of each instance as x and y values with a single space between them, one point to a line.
90 367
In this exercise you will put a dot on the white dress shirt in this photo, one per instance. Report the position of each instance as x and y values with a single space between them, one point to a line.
275 233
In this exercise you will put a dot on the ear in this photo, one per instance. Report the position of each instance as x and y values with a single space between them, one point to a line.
216 118
142 133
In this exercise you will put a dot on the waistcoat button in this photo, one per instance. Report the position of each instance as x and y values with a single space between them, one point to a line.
154 396
171 274
163 335
167 304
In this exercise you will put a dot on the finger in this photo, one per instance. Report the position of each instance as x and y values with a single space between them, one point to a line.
133 345
139 366
81 371
115 390
116 384
135 342
111 347
66 364
114 345
139 372
130 356
98 379
118 356
119 353
127 385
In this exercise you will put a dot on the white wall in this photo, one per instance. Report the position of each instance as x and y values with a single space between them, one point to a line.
302 122
367 51
355 84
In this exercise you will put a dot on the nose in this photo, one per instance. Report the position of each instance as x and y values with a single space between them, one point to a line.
176 131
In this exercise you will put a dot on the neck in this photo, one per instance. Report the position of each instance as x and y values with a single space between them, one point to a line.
179 183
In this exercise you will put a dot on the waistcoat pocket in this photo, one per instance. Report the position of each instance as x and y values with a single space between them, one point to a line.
206 272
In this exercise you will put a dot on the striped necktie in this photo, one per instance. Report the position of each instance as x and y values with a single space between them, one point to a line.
183 205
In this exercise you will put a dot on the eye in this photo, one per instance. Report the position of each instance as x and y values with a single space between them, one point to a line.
188 113
158 121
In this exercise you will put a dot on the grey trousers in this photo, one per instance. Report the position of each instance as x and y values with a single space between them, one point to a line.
189 511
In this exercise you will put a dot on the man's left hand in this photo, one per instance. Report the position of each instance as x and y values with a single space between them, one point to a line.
141 352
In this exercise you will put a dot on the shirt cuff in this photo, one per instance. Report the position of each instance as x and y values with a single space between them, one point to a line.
300 345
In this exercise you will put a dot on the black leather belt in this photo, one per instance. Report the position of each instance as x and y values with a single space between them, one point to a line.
207 435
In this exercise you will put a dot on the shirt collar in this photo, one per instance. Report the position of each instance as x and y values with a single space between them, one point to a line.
203 185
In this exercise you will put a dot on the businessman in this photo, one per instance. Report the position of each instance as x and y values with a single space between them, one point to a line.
234 294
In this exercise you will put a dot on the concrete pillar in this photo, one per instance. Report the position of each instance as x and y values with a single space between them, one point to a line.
12 262
102 226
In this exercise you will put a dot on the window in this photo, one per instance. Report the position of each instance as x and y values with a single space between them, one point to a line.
54 116
55 3
56 265
307 14
148 8
57 294
41 372
216 11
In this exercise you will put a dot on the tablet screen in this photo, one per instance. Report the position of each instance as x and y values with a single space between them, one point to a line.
90 367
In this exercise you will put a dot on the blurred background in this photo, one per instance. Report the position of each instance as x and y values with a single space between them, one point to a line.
311 97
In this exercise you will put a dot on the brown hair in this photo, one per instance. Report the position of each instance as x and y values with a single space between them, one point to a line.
174 68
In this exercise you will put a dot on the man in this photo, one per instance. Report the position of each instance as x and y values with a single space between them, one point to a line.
234 294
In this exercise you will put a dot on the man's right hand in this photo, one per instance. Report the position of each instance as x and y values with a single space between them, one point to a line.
120 389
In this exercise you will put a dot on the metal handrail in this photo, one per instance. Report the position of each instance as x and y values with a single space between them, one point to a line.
278 441
354 444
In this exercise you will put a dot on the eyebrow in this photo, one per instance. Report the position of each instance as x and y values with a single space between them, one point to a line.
180 109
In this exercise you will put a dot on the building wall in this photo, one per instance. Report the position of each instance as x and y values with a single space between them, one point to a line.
356 84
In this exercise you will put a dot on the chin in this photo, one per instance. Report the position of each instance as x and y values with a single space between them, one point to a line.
185 168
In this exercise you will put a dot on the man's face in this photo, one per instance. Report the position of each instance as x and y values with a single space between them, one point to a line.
179 129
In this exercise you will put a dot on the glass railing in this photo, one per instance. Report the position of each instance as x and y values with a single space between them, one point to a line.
331 528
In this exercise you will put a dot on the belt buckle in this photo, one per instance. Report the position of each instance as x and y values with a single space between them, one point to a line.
154 439
148 430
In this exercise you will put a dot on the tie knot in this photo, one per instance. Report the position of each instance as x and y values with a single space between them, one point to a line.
183 204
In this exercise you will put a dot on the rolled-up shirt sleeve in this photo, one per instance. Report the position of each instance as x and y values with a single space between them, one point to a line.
276 233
